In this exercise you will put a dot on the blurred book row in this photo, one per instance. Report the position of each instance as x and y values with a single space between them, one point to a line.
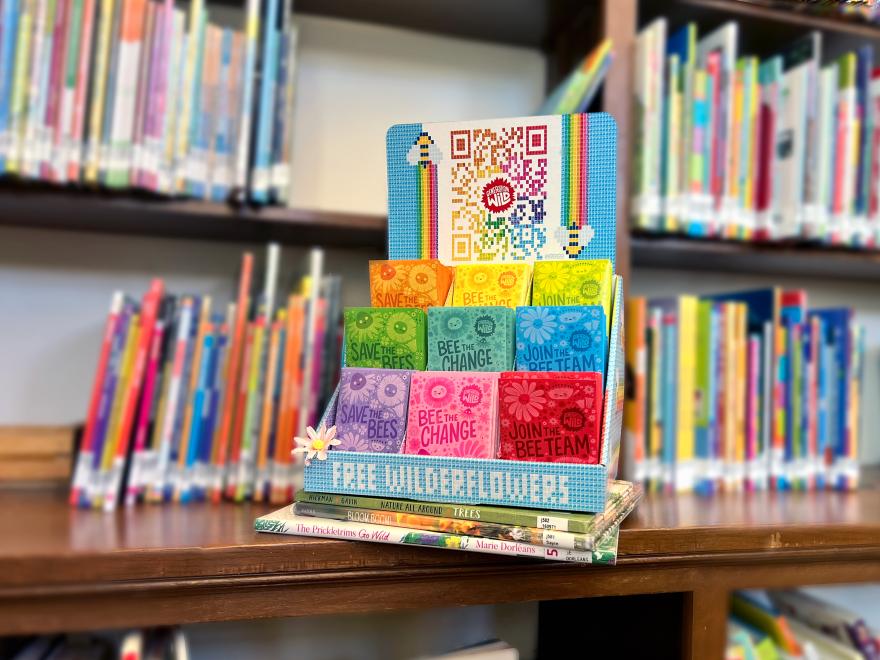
732 146
796 624
190 402
145 644
141 94
747 390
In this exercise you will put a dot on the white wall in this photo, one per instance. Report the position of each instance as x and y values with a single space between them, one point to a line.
355 80
822 293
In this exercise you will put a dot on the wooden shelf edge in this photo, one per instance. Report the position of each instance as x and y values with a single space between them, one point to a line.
682 253
769 12
93 212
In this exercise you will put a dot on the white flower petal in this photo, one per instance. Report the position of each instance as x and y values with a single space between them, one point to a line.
334 442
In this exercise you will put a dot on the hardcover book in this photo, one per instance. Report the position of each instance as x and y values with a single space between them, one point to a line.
621 496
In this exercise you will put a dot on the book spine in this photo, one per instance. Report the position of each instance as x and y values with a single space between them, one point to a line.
150 309
100 72
243 154
82 472
43 17
18 102
635 407
190 89
584 524
193 401
281 175
105 141
75 141
51 118
205 470
155 118
250 429
197 163
111 438
196 415
282 484
222 134
530 535
263 468
9 14
141 459
126 93
175 386
234 370
303 526
261 173
241 401
105 407
145 93
61 143
167 167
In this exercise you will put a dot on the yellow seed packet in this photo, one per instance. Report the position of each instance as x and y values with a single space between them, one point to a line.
418 283
584 282
505 285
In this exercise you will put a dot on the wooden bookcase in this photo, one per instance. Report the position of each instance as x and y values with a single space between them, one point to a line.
75 570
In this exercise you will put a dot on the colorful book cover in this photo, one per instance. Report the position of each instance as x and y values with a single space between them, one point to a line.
222 135
452 414
561 338
371 413
110 100
574 283
621 496
704 417
528 189
472 339
635 405
385 338
747 171
649 73
284 521
189 88
144 93
509 285
410 283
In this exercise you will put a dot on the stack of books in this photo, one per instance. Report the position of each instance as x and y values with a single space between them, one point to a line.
746 390
138 94
193 403
730 146
796 624
554 535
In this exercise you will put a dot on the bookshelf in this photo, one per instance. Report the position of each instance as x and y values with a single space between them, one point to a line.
160 565
153 566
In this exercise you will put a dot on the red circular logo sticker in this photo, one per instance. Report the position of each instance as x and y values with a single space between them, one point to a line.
497 195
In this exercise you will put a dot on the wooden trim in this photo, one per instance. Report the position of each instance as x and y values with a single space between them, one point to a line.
35 453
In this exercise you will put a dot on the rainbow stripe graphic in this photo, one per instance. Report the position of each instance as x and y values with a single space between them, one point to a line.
427 195
574 179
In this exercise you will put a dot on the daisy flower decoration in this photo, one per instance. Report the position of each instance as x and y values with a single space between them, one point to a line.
317 443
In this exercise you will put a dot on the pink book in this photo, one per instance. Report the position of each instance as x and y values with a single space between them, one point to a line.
453 413
135 479
56 85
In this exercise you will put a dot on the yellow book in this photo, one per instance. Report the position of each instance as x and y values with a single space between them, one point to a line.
685 469
204 322
582 282
246 461
505 285
109 450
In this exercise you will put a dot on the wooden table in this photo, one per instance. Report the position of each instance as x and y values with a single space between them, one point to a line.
63 570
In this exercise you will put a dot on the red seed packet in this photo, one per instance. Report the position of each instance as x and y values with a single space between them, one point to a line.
550 417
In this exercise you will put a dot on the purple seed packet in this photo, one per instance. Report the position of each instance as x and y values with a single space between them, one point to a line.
371 411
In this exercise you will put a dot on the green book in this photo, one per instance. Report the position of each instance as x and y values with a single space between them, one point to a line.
621 494
386 338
